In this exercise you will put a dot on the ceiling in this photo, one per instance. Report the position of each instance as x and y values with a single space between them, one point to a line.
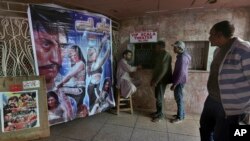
123 9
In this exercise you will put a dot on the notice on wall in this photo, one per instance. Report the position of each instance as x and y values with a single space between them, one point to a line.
31 84
143 36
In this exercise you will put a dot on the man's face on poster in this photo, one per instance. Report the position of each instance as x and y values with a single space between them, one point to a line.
48 54
8 117
12 103
25 98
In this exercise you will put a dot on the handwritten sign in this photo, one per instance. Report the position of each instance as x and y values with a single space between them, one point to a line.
143 36
31 84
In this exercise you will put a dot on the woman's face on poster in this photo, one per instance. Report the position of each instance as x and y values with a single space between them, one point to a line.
52 102
106 86
74 56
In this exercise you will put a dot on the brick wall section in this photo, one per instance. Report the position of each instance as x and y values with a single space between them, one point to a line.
17 8
29 1
3 5
13 9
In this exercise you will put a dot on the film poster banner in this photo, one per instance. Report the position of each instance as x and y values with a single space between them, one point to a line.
73 52
19 110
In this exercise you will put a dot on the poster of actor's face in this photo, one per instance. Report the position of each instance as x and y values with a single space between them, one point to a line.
19 110
73 52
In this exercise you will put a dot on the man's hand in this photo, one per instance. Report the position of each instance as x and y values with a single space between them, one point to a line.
105 38
139 67
59 85
152 83
172 88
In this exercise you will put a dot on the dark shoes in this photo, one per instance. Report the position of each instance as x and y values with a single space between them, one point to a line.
154 115
175 116
157 119
177 120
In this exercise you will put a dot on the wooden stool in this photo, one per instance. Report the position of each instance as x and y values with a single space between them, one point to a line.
123 104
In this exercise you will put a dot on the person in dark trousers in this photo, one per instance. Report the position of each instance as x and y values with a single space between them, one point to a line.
162 75
180 75
228 84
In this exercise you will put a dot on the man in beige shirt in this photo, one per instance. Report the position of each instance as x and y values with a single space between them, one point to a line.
124 82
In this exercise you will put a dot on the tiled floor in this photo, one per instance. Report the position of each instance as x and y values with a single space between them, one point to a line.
125 127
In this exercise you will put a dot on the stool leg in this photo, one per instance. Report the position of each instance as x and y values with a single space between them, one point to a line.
118 103
131 104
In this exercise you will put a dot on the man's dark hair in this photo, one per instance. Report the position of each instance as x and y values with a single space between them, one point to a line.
225 27
13 98
48 19
24 94
161 44
50 28
125 52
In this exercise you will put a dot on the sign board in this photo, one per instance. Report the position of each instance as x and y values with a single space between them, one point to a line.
143 36
31 84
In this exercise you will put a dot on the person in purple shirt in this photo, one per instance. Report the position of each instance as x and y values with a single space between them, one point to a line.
180 75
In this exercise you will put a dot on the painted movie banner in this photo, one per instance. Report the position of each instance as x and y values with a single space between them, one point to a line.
73 52
19 110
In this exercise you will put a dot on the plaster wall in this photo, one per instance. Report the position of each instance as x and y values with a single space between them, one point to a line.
186 26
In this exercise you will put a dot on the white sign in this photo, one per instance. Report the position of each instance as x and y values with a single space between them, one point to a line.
31 84
143 36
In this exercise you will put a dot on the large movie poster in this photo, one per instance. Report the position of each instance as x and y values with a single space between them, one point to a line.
73 52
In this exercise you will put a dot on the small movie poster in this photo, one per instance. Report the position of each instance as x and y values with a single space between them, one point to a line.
19 110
